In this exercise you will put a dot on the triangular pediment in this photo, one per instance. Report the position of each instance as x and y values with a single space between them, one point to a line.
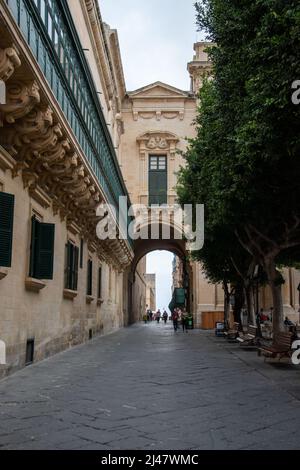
158 90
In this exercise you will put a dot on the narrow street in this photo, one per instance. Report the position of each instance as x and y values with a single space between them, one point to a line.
146 387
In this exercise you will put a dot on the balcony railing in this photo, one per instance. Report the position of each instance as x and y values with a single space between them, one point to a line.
50 32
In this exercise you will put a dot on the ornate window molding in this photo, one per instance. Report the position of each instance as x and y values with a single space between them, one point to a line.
157 142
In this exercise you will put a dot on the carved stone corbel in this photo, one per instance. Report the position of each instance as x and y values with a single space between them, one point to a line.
9 61
64 169
21 99
31 127
30 178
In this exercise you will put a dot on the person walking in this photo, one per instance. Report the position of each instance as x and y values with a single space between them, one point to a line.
184 321
158 315
148 312
175 317
165 316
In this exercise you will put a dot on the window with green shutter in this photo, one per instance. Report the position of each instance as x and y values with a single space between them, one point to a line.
71 266
158 179
41 250
7 202
89 288
81 254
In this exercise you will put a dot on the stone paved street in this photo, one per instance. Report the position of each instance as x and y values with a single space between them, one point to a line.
145 387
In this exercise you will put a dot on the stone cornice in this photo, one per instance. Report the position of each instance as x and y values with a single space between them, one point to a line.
97 37
7 162
118 67
171 92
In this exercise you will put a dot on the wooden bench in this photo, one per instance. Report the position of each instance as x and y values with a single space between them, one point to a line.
233 332
250 338
280 347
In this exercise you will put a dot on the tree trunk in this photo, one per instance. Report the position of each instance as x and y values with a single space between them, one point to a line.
238 301
226 304
275 286
249 294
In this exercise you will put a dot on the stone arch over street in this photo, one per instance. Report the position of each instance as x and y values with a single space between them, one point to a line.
174 244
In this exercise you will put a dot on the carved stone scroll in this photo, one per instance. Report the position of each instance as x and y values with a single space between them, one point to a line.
9 61
21 99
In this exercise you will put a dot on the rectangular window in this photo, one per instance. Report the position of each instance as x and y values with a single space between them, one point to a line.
62 55
7 202
89 287
71 78
43 10
56 44
29 352
99 283
41 250
158 179
49 26
71 266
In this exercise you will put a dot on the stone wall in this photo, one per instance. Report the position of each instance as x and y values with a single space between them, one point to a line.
53 321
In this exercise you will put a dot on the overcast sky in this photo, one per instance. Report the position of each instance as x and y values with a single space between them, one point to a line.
156 39
160 263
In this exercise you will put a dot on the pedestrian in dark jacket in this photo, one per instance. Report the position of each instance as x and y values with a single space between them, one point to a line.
175 317
165 316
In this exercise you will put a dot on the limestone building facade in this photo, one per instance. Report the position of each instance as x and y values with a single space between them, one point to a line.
150 291
59 134
72 138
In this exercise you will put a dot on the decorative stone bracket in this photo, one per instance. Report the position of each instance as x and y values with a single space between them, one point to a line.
34 285
90 299
3 273
70 294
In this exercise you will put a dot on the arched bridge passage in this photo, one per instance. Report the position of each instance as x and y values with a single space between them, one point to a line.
175 244
161 235
143 247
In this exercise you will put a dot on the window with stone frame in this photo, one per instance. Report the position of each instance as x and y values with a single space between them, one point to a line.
71 266
41 249
158 180
7 202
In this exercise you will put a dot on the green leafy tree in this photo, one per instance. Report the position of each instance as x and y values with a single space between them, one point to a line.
244 163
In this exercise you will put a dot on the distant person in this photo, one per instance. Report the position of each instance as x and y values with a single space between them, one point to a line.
175 317
288 322
184 321
165 316
292 327
271 314
149 314
158 315
263 316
